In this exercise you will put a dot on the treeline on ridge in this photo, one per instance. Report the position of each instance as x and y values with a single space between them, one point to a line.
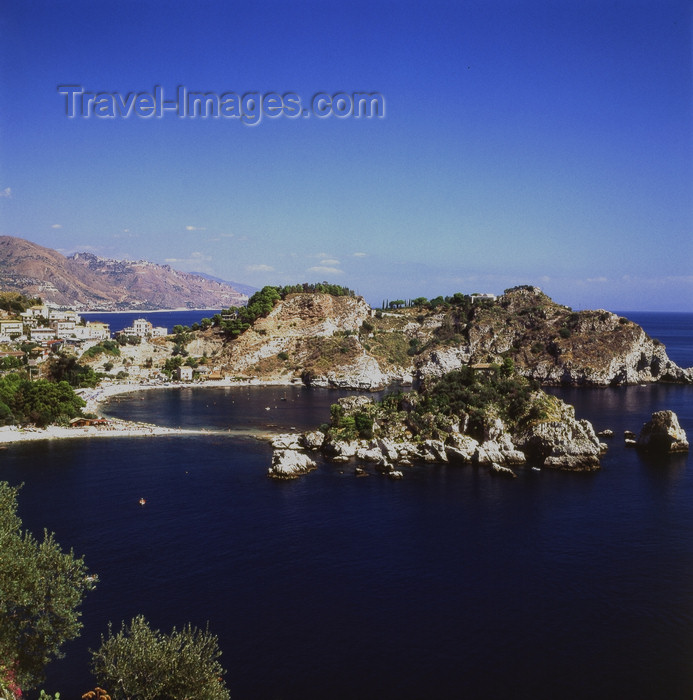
237 319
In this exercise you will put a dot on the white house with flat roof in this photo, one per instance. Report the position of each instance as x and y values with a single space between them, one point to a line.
144 329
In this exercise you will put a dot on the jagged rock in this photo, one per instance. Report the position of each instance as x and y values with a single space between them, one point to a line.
290 464
630 443
341 450
499 470
388 448
287 441
662 433
394 474
562 444
313 440
370 454
360 471
608 433
351 404
629 435
461 448
443 360
433 451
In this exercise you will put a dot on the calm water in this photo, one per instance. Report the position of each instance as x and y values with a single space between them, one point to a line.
447 584
675 330
168 319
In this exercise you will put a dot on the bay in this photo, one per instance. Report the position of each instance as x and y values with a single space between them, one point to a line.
446 584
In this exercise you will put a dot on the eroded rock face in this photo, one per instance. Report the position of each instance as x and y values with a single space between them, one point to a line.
313 440
566 444
662 433
287 441
290 464
443 360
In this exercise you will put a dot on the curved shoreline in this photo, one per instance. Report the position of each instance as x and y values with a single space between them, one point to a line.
124 428
99 395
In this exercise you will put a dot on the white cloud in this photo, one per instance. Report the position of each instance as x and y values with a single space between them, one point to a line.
6 193
198 261
320 269
259 268
330 262
597 279
360 255
56 225
195 228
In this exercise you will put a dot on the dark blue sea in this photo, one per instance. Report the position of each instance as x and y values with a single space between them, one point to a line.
122 319
446 584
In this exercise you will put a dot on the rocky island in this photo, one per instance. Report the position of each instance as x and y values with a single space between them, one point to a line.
492 418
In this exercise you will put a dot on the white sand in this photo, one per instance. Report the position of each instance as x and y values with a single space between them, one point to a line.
122 428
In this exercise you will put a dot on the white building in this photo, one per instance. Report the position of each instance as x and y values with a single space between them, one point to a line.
142 328
63 315
10 329
92 330
185 373
40 333
63 329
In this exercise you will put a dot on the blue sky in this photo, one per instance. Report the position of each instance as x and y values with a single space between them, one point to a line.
543 143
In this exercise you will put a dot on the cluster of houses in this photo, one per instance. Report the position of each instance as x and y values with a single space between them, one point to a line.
50 329
44 323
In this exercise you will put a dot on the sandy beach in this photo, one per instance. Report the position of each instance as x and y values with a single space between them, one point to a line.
95 397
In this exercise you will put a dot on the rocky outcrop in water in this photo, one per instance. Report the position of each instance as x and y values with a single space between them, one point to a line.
663 434
566 443
289 460
557 442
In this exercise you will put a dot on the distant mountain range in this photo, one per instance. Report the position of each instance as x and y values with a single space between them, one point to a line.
86 281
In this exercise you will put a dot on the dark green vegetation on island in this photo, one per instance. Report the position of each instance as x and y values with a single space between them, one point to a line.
482 395
468 397
41 589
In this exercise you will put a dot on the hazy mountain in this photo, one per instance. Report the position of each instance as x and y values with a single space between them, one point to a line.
90 282
242 288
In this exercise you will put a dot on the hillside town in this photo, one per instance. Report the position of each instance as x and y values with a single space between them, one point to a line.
42 331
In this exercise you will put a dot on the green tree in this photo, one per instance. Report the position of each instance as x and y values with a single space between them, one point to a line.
139 663
41 588
67 368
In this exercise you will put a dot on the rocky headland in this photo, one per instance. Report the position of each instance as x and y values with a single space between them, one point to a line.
340 341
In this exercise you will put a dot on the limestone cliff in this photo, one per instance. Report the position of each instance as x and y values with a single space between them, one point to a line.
342 342
315 336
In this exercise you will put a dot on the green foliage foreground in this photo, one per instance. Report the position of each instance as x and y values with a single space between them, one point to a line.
139 663
41 588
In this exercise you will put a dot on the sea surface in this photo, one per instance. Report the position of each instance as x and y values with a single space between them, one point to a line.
447 584
122 319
